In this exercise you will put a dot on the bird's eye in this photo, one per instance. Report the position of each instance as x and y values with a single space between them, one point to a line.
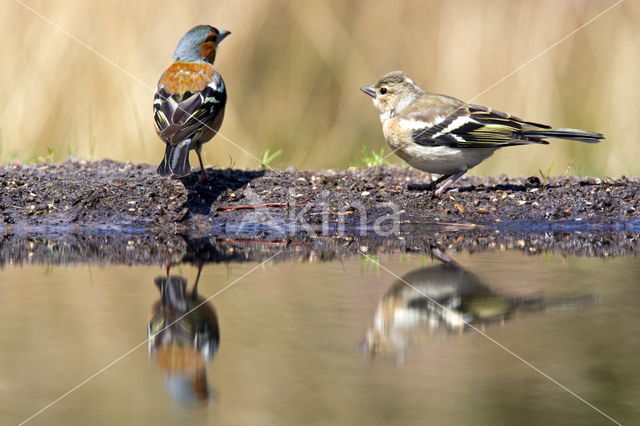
383 90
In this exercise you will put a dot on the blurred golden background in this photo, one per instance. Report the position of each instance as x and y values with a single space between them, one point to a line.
293 70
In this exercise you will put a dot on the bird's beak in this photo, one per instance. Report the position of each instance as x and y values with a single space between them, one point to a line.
222 34
369 90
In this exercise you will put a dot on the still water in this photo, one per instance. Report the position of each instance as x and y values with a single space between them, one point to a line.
414 340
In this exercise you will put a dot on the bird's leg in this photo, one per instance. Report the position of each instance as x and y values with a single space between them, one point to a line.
203 174
448 183
442 178
195 285
442 257
429 186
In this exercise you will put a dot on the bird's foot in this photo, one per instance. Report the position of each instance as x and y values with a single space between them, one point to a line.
449 180
203 177
438 192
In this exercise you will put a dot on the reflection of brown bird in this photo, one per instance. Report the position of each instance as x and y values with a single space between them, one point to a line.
183 338
441 300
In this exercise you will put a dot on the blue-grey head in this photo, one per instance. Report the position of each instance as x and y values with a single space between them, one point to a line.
199 44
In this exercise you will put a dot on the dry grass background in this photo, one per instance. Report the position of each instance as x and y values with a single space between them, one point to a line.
293 69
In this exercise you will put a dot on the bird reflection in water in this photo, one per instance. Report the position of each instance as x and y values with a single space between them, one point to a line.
183 338
435 302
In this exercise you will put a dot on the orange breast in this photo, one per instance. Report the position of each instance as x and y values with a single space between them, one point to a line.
181 77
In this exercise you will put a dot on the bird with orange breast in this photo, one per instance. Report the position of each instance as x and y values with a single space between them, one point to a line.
183 336
190 100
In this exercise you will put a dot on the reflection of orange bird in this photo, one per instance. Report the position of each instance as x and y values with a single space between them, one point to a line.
183 338
190 100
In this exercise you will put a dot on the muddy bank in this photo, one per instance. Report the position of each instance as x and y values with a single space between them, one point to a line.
149 248
105 193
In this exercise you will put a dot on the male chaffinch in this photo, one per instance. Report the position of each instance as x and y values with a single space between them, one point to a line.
183 337
443 135
189 103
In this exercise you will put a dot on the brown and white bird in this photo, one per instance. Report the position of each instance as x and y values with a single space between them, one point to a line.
188 107
442 300
443 135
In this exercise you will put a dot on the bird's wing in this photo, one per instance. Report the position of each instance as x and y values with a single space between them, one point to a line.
187 101
471 126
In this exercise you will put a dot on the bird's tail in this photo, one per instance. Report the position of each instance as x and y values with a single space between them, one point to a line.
570 134
176 160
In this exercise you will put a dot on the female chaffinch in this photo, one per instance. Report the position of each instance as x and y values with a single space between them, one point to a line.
440 134
189 103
